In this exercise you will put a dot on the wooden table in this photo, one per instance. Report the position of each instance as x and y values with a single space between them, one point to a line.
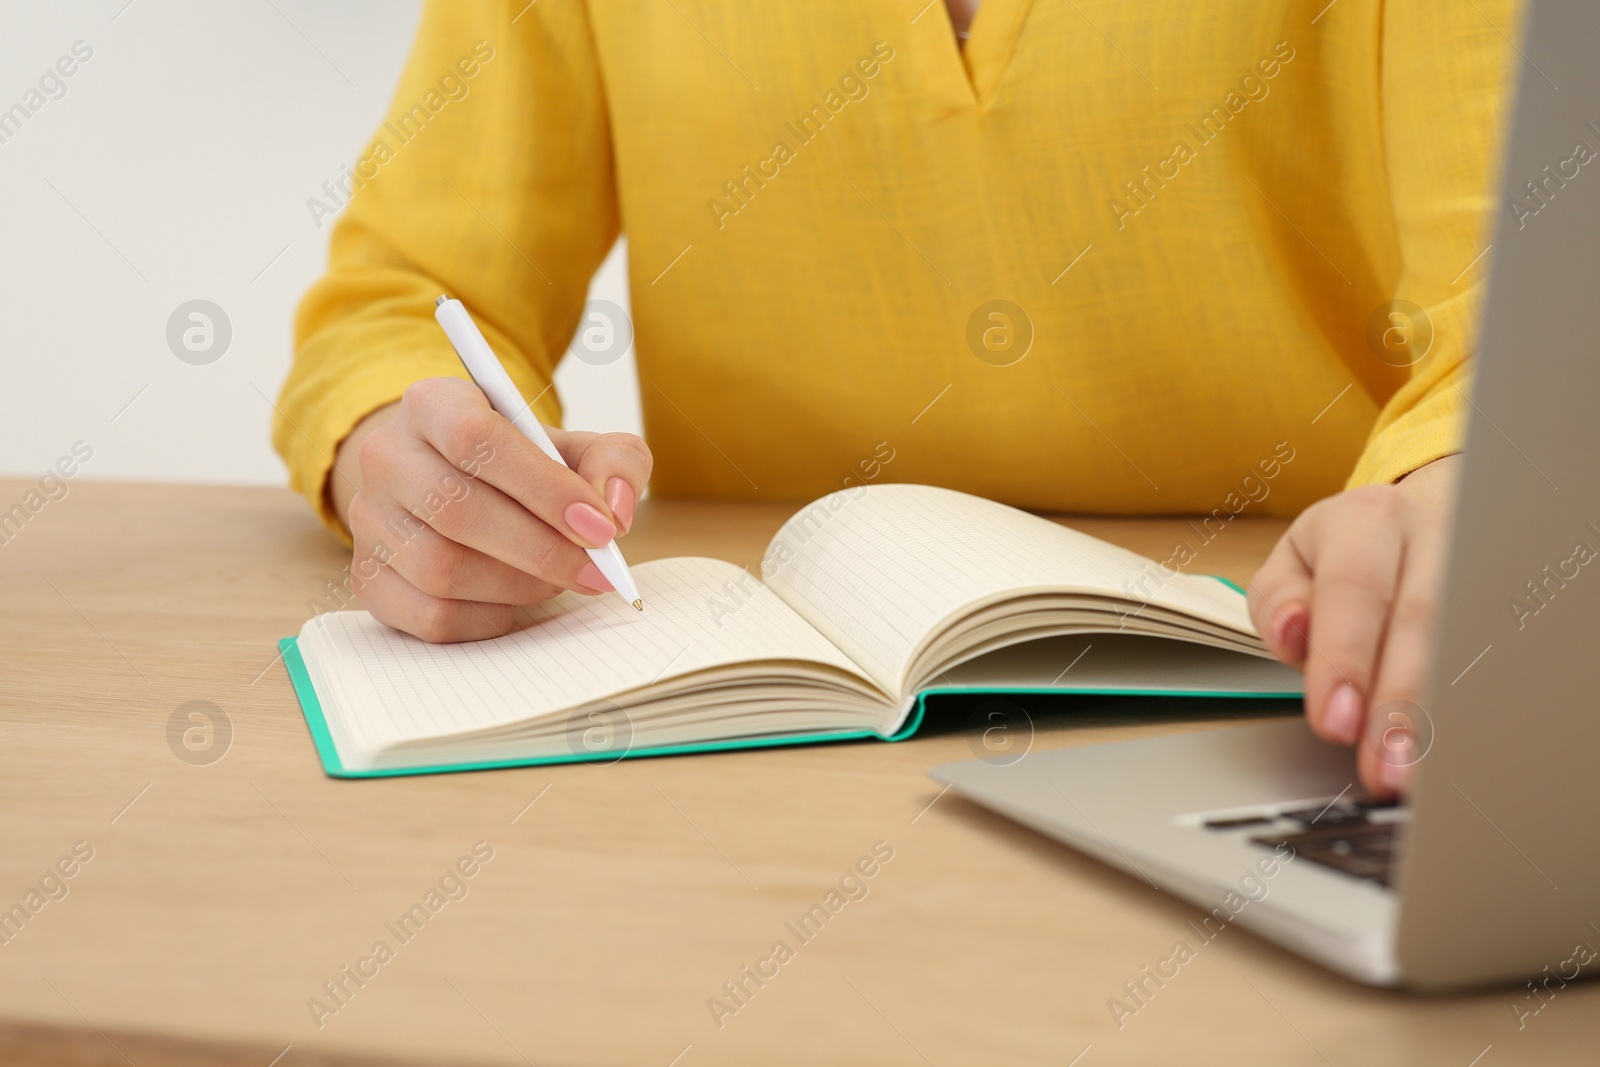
619 899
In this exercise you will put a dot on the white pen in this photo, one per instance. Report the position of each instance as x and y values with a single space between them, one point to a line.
490 376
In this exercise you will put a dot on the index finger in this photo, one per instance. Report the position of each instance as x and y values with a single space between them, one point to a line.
1357 572
459 423
1280 599
616 464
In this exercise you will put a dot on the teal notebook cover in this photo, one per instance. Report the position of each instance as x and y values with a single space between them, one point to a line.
336 768
332 764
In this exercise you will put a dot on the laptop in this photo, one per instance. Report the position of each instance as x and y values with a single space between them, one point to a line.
1489 871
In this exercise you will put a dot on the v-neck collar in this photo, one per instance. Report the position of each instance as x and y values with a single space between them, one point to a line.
967 76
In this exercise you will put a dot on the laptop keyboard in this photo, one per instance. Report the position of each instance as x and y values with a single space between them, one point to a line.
1354 836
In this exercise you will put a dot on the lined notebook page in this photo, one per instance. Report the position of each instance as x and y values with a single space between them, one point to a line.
876 569
581 650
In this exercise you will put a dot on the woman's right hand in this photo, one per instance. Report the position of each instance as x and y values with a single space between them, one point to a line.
458 519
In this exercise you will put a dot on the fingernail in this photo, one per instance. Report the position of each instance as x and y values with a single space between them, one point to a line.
1341 719
1395 774
591 578
1290 635
619 498
587 522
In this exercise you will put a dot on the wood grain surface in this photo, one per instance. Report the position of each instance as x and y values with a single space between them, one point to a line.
222 895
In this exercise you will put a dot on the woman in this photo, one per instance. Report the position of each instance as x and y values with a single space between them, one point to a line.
1089 257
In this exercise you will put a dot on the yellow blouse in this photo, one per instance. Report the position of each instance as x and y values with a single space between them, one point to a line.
1110 257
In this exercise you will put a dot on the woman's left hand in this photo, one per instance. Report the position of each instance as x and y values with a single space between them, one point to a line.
1350 596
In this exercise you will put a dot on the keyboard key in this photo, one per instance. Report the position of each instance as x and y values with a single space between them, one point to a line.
1326 815
1363 850
1238 822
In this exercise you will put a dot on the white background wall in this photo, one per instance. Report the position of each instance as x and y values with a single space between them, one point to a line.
176 167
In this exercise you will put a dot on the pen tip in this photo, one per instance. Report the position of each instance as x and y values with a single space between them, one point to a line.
638 605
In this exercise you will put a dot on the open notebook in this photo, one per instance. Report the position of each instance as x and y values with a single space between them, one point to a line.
873 598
